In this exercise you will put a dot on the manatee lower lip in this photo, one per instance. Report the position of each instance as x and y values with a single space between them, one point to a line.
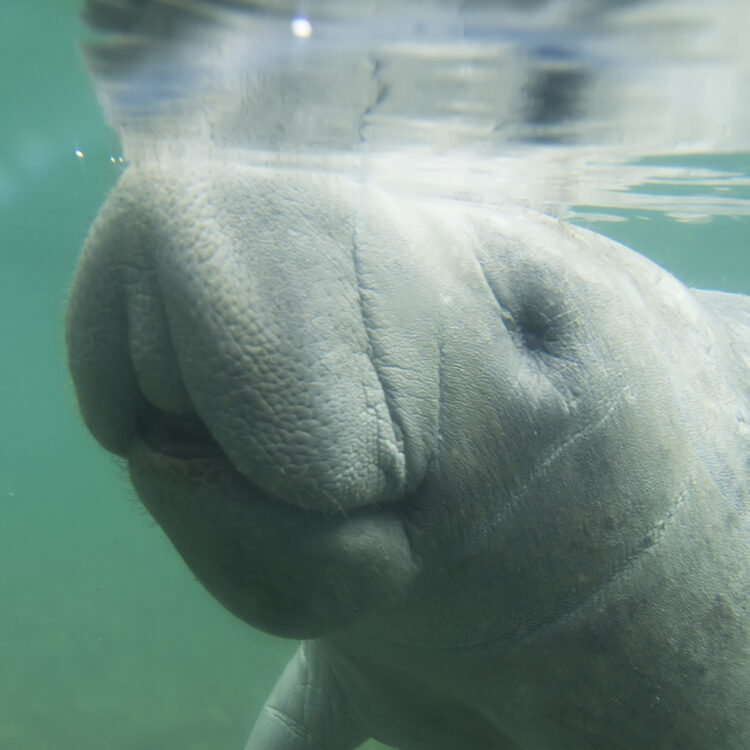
289 571
182 436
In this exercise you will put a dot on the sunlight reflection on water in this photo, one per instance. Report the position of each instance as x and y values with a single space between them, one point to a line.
551 104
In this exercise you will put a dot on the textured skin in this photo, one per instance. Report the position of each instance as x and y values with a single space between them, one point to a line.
494 469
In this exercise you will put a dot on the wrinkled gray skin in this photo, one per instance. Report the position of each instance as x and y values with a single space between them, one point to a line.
492 468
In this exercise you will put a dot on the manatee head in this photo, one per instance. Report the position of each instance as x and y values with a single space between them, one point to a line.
344 407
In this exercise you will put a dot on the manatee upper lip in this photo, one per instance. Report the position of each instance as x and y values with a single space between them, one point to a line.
173 439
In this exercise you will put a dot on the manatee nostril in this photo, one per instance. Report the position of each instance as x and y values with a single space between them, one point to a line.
177 435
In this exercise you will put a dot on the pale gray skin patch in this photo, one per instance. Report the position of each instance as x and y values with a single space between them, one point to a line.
493 468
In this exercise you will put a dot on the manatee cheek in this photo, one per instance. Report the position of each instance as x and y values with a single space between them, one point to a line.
287 571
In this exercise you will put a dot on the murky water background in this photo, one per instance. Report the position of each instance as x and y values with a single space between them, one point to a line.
629 117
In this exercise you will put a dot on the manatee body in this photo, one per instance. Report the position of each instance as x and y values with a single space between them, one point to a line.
492 469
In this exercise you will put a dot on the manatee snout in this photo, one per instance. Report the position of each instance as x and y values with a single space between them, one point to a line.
224 335
229 317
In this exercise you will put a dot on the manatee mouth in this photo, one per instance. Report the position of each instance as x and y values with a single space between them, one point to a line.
288 570
184 444
181 436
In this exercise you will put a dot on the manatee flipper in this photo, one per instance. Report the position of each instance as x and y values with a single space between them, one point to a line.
307 710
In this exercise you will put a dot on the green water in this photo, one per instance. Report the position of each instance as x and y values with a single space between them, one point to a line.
106 641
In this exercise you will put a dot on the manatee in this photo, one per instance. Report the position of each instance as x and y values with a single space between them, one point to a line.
490 468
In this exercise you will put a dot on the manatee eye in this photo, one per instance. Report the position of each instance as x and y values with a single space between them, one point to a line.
533 309
535 329
532 329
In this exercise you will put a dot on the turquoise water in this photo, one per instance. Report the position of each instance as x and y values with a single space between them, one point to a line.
106 640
